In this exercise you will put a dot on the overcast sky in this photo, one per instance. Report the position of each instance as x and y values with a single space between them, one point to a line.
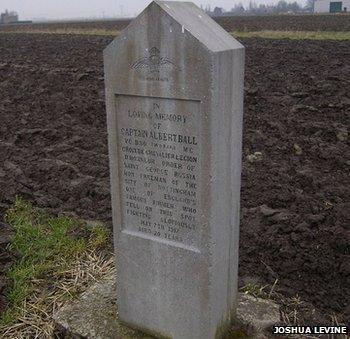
65 9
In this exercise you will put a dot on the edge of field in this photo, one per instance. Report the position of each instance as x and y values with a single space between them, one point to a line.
265 34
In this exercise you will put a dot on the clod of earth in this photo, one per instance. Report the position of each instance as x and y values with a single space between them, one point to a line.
256 156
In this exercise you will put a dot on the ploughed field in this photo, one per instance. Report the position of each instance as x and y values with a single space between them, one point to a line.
296 157
337 23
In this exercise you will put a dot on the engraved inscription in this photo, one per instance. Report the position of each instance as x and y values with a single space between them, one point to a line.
159 164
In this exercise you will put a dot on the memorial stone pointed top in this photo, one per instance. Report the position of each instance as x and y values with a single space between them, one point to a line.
174 97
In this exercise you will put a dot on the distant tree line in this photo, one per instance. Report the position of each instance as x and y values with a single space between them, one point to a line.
282 7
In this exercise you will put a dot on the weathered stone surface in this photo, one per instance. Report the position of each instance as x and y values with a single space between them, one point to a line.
256 316
174 97
94 315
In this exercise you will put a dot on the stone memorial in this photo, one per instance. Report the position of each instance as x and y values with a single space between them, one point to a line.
174 95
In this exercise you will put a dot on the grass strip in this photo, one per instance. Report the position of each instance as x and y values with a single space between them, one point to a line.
46 246
294 35
266 34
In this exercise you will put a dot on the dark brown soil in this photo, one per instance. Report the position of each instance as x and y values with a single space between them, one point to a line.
286 23
338 22
295 195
